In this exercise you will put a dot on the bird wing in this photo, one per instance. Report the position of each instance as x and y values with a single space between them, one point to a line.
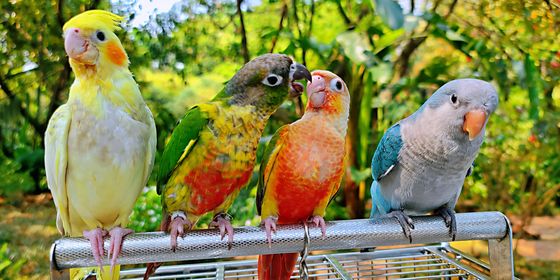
387 153
183 139
151 149
56 161
270 154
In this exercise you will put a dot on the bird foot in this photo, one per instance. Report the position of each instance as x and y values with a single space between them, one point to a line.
177 227
319 222
117 235
270 227
448 216
405 221
222 221
95 237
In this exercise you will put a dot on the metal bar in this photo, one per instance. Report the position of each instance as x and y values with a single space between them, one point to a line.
501 255
338 268
349 234
466 256
458 264
366 267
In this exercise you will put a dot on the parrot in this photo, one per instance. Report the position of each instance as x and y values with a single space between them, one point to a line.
303 166
100 145
211 153
421 162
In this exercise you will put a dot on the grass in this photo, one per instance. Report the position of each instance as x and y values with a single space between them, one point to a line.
27 232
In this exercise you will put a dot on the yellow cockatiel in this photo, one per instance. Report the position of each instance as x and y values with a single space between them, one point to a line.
100 145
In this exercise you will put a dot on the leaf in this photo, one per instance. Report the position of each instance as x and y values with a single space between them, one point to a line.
390 12
454 36
359 175
388 39
381 73
534 86
354 45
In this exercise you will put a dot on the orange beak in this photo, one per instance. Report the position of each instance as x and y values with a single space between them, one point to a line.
474 122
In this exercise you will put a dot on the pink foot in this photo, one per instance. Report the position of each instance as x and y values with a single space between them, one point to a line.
177 227
270 226
95 237
222 221
117 235
319 222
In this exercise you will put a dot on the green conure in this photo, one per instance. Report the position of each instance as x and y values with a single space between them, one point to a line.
212 152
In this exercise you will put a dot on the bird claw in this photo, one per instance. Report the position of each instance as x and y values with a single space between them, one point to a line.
117 235
177 228
270 226
319 222
405 221
222 221
448 216
95 237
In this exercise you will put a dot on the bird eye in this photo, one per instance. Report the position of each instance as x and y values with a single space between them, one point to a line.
272 80
100 36
336 85
454 99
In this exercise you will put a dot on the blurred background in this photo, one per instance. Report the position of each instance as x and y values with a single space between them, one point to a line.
392 54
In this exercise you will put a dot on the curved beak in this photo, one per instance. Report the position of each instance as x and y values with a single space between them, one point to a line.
474 122
79 48
298 72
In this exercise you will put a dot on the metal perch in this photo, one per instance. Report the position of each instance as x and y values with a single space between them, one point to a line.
341 235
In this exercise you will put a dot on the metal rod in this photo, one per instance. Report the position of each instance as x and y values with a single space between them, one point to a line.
350 234
500 252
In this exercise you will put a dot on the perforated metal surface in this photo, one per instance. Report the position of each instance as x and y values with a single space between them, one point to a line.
206 244
424 262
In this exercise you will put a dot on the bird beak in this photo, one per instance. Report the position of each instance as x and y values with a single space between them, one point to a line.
474 122
316 92
298 72
80 48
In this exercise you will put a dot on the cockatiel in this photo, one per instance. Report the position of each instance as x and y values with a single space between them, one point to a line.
302 167
100 145
211 153
421 162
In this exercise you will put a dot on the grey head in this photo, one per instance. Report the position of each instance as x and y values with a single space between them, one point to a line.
464 105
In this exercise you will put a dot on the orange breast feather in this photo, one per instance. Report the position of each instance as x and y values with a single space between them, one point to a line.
307 170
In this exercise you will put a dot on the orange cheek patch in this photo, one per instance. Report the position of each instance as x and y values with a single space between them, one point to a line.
116 53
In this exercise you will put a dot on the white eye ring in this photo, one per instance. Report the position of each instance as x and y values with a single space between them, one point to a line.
337 85
272 80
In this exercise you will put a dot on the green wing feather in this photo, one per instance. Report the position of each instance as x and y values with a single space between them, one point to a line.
270 153
186 131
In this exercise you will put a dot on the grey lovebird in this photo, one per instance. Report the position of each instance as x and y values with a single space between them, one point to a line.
421 162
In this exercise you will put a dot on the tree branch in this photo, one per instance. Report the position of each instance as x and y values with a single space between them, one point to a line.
403 62
347 20
244 48
11 76
38 127
59 16
280 26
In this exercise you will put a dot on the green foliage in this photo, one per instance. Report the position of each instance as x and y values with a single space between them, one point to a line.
9 266
391 58
146 215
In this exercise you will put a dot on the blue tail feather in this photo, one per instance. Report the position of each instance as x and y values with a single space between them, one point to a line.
379 205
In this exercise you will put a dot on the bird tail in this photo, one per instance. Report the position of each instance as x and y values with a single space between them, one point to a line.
101 274
152 267
277 267
379 205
